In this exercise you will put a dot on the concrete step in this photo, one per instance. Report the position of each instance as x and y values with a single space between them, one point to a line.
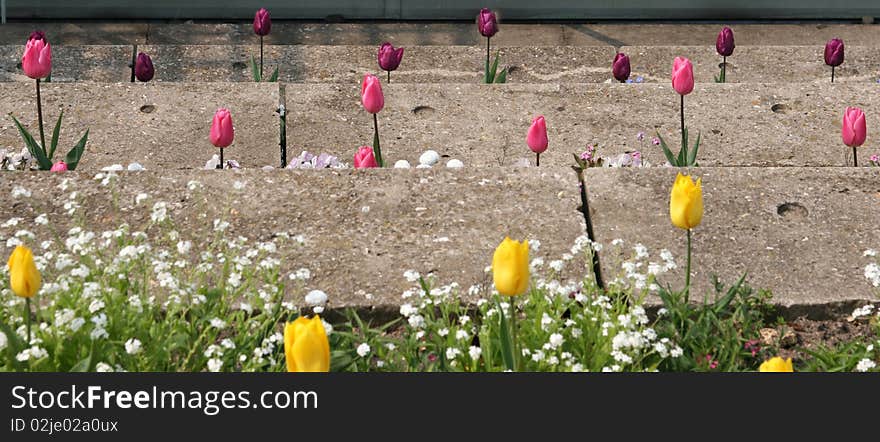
416 33
798 232
447 64
166 126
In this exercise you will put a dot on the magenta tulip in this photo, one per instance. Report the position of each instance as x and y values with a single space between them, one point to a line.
389 58
371 94
682 76
364 158
143 68
60 166
222 132
536 138
834 52
620 67
487 22
724 44
262 22
38 35
37 59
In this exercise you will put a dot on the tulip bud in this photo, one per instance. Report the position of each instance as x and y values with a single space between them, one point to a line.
834 52
24 278
854 129
262 22
537 135
776 364
620 67
38 35
37 59
143 68
306 348
371 94
364 158
389 58
487 22
724 44
686 202
222 131
60 166
510 267
682 75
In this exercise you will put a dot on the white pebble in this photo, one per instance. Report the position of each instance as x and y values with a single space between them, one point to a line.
423 166
430 158
135 167
454 164
316 297
402 164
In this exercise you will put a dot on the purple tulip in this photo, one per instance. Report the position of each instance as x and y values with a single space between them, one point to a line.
834 52
487 22
143 68
262 22
620 67
389 58
724 44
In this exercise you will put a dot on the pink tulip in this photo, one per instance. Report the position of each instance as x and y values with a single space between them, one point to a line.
222 132
37 59
854 129
364 158
60 166
537 136
682 75
371 94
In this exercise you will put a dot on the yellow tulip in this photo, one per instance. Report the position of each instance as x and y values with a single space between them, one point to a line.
24 278
776 364
306 347
686 202
510 267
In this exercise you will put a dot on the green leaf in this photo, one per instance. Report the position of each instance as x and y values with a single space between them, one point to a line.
506 341
32 146
83 365
502 77
255 70
490 78
72 157
274 77
692 156
669 156
55 133
682 154
722 303
340 360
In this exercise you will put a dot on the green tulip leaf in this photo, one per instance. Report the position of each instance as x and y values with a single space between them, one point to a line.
32 146
502 77
668 153
72 157
255 70
274 77
692 157
55 134
506 342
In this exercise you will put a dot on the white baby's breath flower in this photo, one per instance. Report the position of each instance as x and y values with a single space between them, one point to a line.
452 353
132 346
42 220
215 365
363 350
218 323
103 367
865 365
556 340
474 352
3 340
160 212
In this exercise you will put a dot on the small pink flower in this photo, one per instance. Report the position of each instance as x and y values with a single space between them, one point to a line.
853 128
371 94
60 166
537 135
364 158
37 59
682 75
222 131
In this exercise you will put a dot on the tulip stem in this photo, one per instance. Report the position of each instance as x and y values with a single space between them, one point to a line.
687 277
221 165
261 57
538 159
724 69
682 120
585 208
855 158
40 118
27 318
513 338
486 78
389 77
133 61
377 151
832 74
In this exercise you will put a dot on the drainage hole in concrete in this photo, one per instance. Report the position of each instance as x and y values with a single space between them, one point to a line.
779 108
792 211
239 65
148 108
423 110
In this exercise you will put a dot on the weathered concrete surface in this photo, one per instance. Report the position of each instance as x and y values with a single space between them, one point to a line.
362 229
757 64
486 125
77 33
160 126
73 63
798 232
348 64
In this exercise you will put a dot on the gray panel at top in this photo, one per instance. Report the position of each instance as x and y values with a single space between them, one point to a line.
443 9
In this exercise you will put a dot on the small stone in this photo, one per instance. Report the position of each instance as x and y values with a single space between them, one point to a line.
135 167
454 164
768 336
401 164
114 168
423 166
429 158
788 339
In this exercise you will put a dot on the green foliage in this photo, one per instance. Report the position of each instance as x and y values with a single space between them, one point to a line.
258 77
492 75
44 157
686 157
